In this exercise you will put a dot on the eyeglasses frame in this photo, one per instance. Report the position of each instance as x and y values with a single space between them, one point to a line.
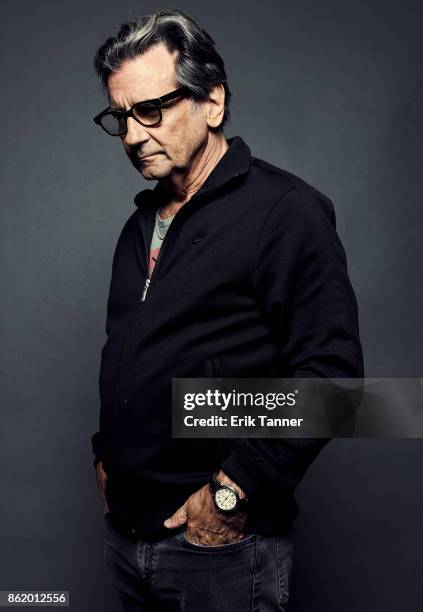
158 102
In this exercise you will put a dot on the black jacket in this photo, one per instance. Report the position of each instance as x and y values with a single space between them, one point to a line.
251 281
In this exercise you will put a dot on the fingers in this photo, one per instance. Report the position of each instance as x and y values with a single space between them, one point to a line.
177 519
102 486
104 502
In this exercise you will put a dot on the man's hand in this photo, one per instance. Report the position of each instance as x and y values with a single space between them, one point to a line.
102 482
205 524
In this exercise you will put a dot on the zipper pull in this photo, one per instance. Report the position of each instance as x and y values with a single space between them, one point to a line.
145 289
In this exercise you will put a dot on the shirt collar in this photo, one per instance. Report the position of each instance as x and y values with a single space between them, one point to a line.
234 163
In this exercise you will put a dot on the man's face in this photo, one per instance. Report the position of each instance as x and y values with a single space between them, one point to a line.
172 144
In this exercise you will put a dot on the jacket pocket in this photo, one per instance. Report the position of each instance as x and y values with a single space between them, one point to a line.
213 367
210 368
237 364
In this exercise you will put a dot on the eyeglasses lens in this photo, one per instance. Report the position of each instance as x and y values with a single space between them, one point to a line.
114 124
148 114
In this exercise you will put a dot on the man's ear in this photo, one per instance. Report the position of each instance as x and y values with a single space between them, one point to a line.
216 106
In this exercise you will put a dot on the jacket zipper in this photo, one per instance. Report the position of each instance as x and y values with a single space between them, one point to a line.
145 289
148 279
147 282
135 321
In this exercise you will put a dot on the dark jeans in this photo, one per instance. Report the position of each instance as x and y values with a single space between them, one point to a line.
173 575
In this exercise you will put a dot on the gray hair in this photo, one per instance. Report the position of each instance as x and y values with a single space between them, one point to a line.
198 65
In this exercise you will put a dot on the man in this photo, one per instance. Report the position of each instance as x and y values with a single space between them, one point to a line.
229 267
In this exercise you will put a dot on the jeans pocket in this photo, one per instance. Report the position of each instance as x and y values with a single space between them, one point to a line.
230 546
284 557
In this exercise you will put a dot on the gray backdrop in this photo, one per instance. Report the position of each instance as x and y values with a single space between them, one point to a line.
330 90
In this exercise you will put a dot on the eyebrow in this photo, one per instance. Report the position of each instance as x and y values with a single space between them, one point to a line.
115 107
122 110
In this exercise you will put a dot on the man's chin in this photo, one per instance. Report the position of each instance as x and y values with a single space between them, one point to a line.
152 171
151 174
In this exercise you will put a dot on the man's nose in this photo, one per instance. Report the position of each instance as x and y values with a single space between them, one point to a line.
135 133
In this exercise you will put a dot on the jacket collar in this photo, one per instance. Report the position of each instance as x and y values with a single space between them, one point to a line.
234 163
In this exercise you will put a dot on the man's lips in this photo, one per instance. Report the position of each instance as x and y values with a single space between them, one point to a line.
142 157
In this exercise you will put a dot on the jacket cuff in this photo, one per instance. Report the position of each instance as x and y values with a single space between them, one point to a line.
240 473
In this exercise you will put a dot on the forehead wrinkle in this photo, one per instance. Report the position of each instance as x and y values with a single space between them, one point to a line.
145 77
114 106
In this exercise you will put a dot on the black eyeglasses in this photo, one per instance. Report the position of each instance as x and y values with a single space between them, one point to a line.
147 112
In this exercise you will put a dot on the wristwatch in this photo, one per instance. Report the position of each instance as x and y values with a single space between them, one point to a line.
225 498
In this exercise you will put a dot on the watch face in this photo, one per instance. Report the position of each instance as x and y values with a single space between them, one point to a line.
226 499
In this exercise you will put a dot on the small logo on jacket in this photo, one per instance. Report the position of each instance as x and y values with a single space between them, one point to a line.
198 235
